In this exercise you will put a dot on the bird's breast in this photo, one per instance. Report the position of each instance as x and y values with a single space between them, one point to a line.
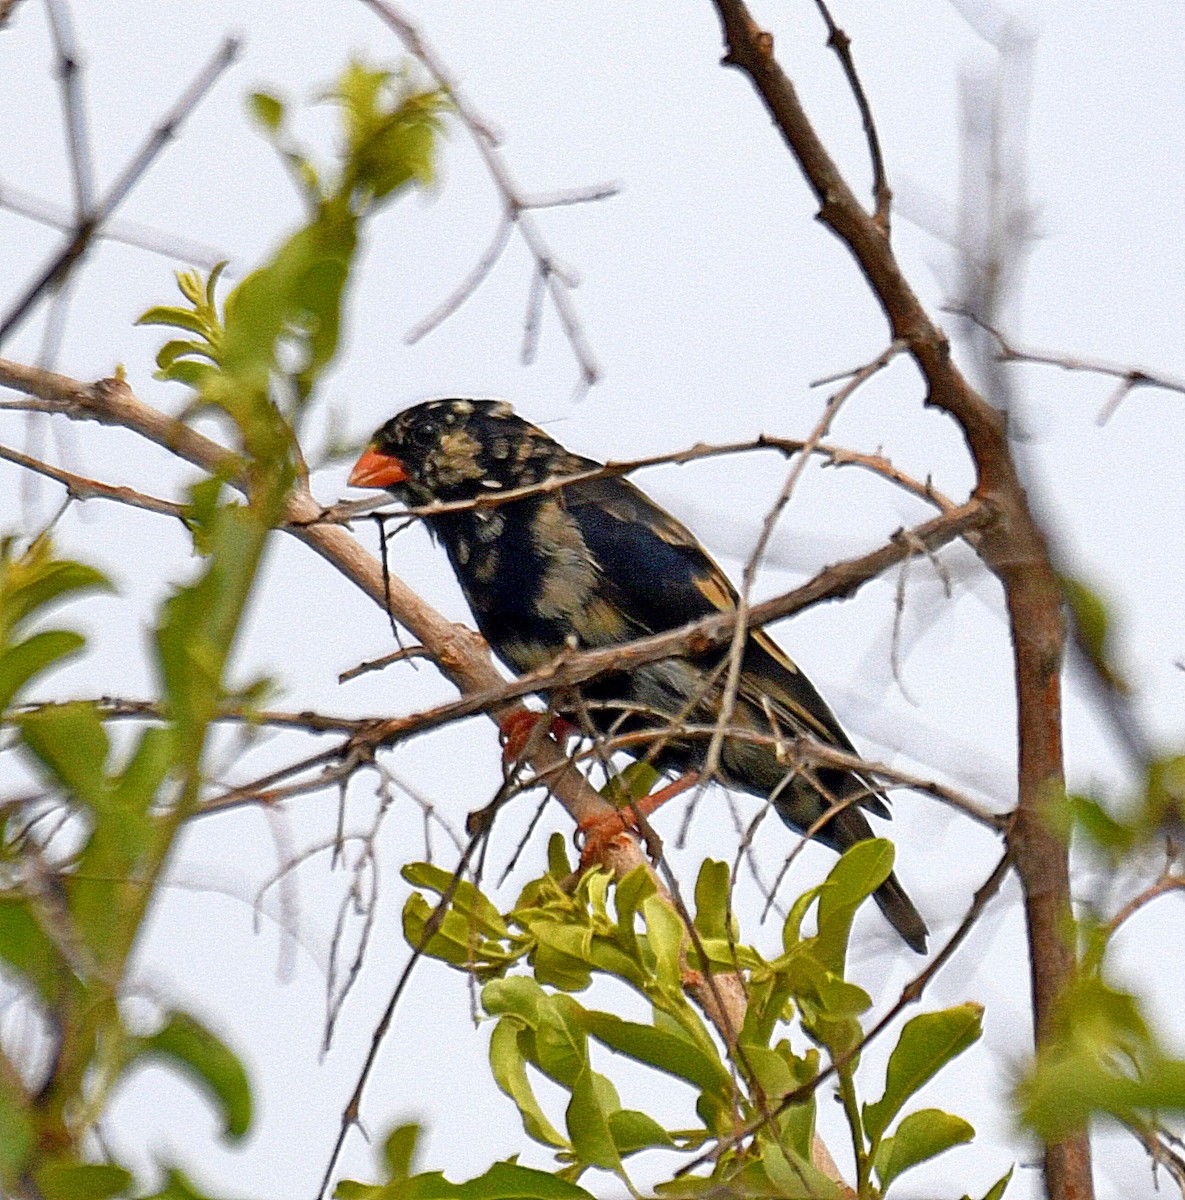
530 579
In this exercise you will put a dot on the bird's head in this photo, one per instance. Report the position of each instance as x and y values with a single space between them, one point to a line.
445 450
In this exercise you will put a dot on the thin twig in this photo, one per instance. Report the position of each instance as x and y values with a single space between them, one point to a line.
80 487
1129 377
517 206
378 664
1165 884
128 233
73 111
839 41
64 260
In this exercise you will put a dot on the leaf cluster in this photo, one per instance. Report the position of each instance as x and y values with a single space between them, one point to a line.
753 1087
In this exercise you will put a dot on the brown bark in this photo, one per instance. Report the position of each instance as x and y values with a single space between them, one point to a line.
1012 547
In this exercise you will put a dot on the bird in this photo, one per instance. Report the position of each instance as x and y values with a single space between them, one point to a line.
594 563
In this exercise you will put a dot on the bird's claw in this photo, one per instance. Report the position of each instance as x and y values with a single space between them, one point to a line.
515 732
599 832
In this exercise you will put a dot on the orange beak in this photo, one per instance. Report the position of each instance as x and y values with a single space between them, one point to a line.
377 470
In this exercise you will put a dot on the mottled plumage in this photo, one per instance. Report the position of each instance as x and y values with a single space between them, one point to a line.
596 563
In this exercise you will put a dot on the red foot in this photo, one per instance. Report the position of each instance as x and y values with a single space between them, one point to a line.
517 728
599 832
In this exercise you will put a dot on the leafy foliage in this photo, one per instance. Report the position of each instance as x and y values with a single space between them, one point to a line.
562 935
72 904
503 1181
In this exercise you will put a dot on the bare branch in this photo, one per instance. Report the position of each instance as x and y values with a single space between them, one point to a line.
1129 377
129 233
460 653
77 139
839 41
1168 882
466 287
1014 549
517 205
63 261
79 487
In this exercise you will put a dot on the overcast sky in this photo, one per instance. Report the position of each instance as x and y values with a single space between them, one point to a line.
711 299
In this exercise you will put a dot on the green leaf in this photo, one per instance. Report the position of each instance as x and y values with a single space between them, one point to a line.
71 744
631 784
588 1124
81 1181
134 789
633 1131
997 1190
664 1049
783 1174
194 375
517 995
399 1150
859 872
29 658
175 317
664 935
927 1043
1067 1089
713 900
560 1040
467 899
268 111
177 349
1093 623
32 582
208 1061
792 929
1165 799
16 1134
922 1135
510 1181
638 885
510 1073
770 1071
563 955
769 996
199 622
26 948
177 1187
1093 819
457 941
559 865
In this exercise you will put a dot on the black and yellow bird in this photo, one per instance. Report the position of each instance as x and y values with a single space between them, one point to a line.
596 563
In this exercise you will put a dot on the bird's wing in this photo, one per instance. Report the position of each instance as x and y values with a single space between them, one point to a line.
657 573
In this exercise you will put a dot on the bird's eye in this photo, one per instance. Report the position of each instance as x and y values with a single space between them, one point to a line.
423 435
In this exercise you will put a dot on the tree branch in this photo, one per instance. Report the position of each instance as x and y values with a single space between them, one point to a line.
1013 548
459 652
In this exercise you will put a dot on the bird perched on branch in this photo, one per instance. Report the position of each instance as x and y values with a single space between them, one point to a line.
596 563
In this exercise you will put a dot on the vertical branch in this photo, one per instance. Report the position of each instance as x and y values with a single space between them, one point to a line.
1013 548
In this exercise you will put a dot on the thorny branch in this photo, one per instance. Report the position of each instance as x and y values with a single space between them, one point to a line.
839 41
459 653
835 456
737 646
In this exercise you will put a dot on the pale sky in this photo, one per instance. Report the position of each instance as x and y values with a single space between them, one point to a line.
711 300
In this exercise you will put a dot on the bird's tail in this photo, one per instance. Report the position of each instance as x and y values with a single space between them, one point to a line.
899 911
